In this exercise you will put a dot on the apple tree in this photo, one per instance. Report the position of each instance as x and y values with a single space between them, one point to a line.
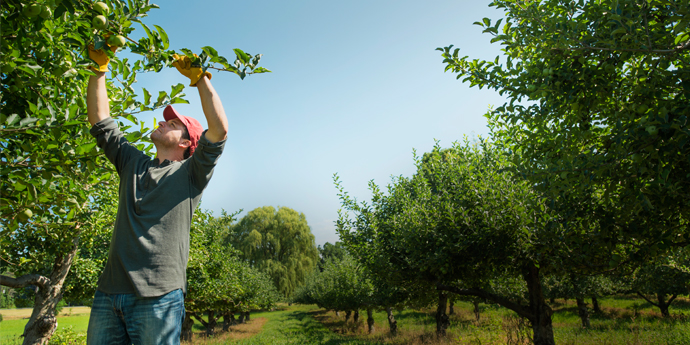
51 169
597 114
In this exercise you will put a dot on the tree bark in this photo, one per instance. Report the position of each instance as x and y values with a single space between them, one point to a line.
583 312
663 305
43 322
451 310
370 320
227 321
476 309
347 315
392 324
355 317
442 321
241 318
337 313
186 334
541 320
595 304
212 323
247 317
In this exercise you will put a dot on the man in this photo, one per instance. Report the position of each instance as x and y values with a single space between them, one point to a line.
140 294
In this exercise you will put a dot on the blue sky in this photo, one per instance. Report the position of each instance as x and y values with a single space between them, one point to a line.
356 86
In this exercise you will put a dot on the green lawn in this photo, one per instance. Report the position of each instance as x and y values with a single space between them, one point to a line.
625 320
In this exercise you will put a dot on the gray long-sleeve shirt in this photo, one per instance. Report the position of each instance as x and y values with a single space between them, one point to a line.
149 248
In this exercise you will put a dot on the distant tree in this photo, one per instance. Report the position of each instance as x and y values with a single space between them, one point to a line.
277 242
665 278
331 251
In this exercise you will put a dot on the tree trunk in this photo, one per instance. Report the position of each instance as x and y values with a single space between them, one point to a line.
241 318
186 334
337 313
595 304
43 322
212 322
227 321
663 305
370 320
476 309
541 312
355 317
582 311
347 315
442 321
247 317
392 324
451 304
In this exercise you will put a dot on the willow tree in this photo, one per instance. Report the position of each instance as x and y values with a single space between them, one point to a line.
278 242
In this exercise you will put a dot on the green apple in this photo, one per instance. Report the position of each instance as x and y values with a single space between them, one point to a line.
46 12
652 130
25 215
32 10
99 22
116 41
101 8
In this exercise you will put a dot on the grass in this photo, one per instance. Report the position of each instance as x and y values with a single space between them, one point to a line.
623 320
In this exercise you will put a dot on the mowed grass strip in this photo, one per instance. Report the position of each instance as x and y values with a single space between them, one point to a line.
295 325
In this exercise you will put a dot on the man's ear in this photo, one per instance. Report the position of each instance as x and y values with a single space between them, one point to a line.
185 143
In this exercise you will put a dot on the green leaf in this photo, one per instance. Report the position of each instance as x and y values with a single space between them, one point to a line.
164 36
147 97
85 148
242 56
176 89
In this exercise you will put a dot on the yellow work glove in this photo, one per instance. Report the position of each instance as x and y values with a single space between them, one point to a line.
184 65
100 58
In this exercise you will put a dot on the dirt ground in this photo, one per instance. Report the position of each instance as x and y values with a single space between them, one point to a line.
25 313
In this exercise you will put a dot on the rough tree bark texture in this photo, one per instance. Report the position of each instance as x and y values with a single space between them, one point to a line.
247 317
541 312
43 322
442 321
241 318
370 320
582 311
392 324
187 324
355 317
595 304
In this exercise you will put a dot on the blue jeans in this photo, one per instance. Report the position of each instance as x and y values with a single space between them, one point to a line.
127 319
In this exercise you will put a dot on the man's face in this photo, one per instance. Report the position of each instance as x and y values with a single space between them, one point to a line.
169 134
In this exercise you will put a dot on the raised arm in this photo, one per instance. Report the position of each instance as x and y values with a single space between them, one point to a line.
97 103
210 102
213 110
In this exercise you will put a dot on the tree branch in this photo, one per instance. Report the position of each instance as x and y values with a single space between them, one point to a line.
203 322
27 279
646 299
519 309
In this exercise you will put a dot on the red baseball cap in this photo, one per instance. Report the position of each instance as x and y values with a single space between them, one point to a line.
193 126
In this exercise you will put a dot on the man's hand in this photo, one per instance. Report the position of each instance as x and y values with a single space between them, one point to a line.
184 66
100 58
